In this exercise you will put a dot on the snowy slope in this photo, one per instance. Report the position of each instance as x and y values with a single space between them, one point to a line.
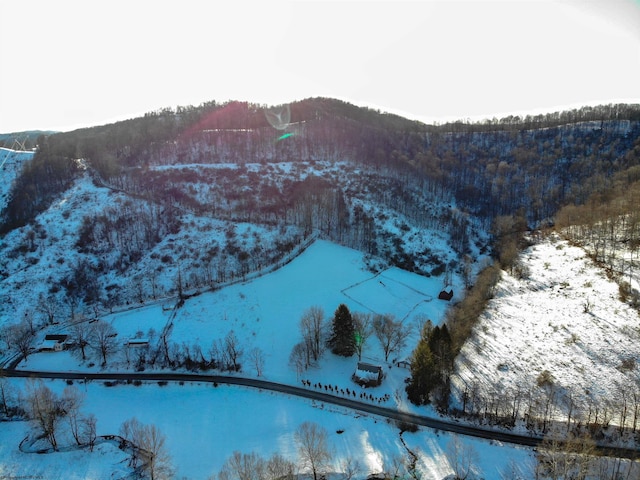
566 318
35 259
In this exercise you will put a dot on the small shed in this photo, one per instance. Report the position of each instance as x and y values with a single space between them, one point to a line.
54 343
444 295
404 364
368 375
138 342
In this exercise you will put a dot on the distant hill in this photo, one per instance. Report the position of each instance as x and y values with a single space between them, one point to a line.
11 163
533 164
22 140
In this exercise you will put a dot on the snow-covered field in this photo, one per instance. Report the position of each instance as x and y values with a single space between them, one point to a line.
204 425
106 461
265 312
566 318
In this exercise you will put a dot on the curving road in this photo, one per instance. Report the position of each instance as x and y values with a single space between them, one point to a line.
430 422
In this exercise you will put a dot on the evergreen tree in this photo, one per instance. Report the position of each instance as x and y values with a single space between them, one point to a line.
420 383
440 345
431 367
342 341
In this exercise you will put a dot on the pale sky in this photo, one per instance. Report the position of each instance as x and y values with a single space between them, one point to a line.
67 64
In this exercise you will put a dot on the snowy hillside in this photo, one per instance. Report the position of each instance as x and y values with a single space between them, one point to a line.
561 329
101 248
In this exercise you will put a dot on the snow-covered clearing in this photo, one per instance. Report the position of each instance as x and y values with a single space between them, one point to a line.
205 424
565 317
265 313
106 461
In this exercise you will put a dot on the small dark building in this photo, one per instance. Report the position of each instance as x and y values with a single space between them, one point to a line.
137 342
444 295
404 364
368 375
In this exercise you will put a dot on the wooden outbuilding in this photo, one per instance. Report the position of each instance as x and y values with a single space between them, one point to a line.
368 375
444 295
54 343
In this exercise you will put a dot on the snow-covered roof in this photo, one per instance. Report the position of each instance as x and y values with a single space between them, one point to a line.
49 344
366 371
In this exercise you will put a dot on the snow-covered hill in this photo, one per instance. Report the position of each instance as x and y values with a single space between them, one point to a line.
97 248
561 329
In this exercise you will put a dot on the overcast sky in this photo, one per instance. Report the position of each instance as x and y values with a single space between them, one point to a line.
66 64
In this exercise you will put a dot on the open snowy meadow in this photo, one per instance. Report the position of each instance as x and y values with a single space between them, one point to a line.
204 424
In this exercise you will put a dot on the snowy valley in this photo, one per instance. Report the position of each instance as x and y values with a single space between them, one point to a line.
204 253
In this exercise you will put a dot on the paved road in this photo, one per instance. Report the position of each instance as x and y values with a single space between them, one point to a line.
430 422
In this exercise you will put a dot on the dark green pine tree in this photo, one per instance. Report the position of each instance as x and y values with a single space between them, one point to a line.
342 341
431 367
421 381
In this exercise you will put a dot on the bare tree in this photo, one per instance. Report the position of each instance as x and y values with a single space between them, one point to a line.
233 350
89 431
462 458
216 354
81 333
19 336
397 467
151 449
467 271
256 355
29 319
103 339
299 357
363 323
43 410
313 449
49 307
311 326
566 455
70 404
159 462
279 468
351 468
243 466
392 334
7 393
129 431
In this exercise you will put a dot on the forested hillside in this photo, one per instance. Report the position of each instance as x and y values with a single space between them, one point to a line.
394 188
493 168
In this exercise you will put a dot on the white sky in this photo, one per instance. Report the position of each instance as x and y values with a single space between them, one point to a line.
66 64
